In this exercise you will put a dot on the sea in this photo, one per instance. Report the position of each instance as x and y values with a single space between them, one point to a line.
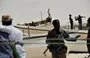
26 11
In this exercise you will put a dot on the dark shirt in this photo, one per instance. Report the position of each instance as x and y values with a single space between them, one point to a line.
56 39
88 36
71 20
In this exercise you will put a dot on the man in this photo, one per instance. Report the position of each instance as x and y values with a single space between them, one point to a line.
71 21
49 18
55 41
88 22
80 22
14 34
79 18
88 42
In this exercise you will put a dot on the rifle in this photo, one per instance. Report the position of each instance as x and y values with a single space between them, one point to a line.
45 52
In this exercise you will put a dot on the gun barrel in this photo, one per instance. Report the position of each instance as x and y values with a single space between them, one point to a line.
45 51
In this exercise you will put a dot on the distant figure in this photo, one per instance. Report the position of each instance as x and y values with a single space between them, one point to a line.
32 24
55 41
88 22
14 35
49 18
79 18
71 21
88 42
49 13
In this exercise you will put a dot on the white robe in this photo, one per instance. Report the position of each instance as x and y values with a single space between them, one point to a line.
15 35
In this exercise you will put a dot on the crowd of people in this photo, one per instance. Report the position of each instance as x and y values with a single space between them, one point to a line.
79 19
54 39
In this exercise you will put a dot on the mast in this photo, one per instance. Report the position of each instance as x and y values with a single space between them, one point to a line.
41 16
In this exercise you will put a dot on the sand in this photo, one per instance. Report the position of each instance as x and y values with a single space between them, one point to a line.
37 52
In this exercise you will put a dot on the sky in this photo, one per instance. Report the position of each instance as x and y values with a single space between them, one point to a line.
24 11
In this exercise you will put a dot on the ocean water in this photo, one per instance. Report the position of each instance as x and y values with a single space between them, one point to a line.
24 11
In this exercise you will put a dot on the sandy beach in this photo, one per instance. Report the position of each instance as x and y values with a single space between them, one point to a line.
35 50
37 46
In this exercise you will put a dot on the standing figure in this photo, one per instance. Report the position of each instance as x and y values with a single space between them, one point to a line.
79 18
14 35
88 22
49 18
55 41
71 21
88 42
80 22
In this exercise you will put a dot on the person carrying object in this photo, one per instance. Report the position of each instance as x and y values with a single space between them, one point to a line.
55 40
